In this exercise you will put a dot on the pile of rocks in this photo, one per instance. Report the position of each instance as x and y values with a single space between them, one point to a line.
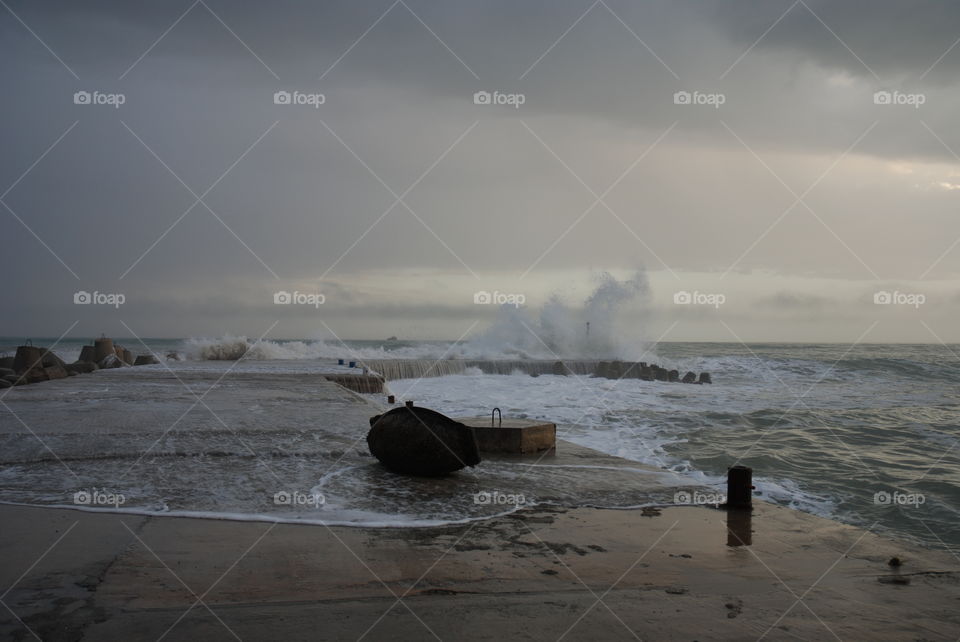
32 364
651 372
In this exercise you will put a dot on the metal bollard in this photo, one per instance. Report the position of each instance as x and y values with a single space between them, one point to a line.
739 487
391 399
409 404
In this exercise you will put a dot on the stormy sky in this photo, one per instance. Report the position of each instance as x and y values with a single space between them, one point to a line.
724 148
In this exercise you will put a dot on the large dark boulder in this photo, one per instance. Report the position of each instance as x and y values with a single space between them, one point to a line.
50 360
690 377
418 441
145 360
88 354
7 362
81 367
705 377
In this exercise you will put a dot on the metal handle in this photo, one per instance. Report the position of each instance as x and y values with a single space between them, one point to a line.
497 412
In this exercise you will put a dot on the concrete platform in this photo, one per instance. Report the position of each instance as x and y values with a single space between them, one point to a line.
515 436
538 574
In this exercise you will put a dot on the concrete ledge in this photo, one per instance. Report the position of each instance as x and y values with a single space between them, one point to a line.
517 436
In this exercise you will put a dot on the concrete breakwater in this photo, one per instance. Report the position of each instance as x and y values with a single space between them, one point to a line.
391 369
33 364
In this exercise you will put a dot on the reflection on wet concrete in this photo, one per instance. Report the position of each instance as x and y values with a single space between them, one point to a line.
739 527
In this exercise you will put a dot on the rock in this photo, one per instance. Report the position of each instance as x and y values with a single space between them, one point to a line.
102 347
646 373
128 357
5 384
49 359
28 357
673 375
81 367
56 372
88 354
11 378
110 361
6 372
418 441
173 356
7 362
146 360
690 377
660 374
34 375
705 377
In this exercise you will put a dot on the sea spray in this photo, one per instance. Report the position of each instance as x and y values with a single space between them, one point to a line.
593 331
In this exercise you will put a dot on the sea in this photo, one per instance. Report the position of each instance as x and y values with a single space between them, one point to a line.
868 434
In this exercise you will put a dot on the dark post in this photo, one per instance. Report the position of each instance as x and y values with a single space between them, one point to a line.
391 399
409 404
739 487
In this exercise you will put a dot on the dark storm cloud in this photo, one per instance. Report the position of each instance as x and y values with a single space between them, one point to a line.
298 205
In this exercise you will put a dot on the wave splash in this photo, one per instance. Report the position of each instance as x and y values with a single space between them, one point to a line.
593 330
